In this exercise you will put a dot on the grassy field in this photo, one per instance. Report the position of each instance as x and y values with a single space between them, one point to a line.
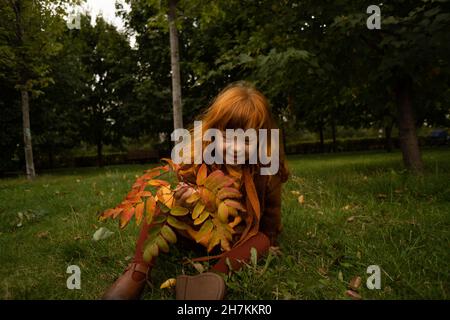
358 210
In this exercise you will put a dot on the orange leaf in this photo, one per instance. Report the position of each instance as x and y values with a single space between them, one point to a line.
139 212
126 216
201 175
235 222
204 231
158 183
217 180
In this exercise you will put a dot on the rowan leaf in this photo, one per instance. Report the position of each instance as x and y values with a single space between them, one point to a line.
198 209
208 199
177 223
201 175
153 232
139 212
159 219
235 222
168 234
163 207
179 211
162 244
192 198
228 192
151 249
214 241
217 180
206 229
235 204
125 217
222 212
205 214
150 206
158 183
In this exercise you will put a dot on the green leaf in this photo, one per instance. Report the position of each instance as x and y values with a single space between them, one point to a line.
176 223
179 211
160 219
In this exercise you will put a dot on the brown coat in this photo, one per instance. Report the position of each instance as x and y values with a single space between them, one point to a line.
269 194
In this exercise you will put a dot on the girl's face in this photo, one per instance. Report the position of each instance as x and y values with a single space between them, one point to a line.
239 150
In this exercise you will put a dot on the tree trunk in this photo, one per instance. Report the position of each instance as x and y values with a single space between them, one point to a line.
175 65
99 154
408 141
29 163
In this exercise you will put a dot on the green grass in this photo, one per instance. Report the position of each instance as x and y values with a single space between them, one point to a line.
360 209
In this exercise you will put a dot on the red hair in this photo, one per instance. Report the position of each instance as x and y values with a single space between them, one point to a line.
241 106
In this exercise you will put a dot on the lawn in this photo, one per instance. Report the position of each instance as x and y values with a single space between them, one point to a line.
359 209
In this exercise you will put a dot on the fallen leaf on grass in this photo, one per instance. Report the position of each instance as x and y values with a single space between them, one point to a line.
355 283
354 295
301 199
169 283
323 271
42 235
295 192
101 234
381 196
350 219
276 251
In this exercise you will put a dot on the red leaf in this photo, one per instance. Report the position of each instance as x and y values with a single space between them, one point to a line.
126 216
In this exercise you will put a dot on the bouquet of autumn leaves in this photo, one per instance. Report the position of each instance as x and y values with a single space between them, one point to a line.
210 216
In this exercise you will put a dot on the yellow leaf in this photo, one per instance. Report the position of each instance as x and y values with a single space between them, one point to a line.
204 230
222 212
168 234
301 199
169 283
202 218
198 209
192 198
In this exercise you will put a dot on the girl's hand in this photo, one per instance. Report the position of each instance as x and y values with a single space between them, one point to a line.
182 192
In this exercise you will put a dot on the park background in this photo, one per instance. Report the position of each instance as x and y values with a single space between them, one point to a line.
364 115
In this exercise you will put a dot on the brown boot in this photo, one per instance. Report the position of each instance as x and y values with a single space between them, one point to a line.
205 286
130 284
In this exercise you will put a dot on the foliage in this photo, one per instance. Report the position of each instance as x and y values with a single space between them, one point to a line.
212 214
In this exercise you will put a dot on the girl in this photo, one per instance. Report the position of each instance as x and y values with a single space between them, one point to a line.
238 106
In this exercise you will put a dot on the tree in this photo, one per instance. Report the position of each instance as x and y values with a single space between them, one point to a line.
30 30
411 45
175 67
107 69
